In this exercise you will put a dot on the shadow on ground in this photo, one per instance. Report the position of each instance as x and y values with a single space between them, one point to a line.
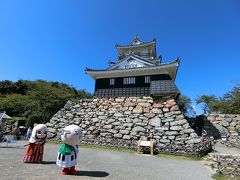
48 162
16 147
92 173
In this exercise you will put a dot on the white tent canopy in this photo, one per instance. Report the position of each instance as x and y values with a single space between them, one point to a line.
4 116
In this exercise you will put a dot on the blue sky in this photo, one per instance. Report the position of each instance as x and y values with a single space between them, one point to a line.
55 40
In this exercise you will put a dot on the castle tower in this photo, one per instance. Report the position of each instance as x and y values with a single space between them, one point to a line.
137 72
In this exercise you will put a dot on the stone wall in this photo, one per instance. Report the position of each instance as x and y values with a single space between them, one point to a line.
224 123
6 126
227 165
121 122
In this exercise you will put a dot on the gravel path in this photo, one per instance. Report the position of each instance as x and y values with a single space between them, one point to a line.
100 164
223 149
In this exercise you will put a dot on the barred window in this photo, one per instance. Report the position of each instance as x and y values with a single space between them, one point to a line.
129 80
112 82
147 79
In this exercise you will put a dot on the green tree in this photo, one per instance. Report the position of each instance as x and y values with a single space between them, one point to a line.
84 94
14 104
7 87
22 86
230 103
47 99
208 103
36 101
185 105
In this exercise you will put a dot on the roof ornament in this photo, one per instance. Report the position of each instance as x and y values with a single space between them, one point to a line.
160 57
136 41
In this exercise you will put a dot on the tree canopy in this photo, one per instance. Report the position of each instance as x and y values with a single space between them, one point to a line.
184 104
36 101
228 104
207 102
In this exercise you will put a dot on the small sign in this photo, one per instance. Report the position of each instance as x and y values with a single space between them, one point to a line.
145 143
224 137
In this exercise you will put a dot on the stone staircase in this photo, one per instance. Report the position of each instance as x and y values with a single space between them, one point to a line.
224 160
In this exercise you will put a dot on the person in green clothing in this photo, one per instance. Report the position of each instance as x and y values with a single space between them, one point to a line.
67 153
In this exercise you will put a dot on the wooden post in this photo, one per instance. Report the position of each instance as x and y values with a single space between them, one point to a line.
138 147
151 147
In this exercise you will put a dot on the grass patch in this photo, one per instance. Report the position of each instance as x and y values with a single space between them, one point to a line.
107 148
222 177
54 142
219 177
179 157
104 148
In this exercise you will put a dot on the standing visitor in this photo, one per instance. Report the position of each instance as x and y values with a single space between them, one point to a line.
29 133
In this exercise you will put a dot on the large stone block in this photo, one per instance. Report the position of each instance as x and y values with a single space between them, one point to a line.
149 115
145 104
128 124
99 113
171 137
116 123
124 109
165 110
168 120
155 122
126 137
69 115
193 141
139 100
188 130
138 109
138 129
49 125
114 131
176 128
162 129
119 99
158 105
102 117
168 114
224 123
129 104
157 111
180 117
118 115
174 108
128 112
117 135
164 140
146 110
52 130
108 126
171 133
124 131
180 122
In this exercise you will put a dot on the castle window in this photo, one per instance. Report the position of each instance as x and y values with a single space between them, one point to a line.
112 82
147 79
129 80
